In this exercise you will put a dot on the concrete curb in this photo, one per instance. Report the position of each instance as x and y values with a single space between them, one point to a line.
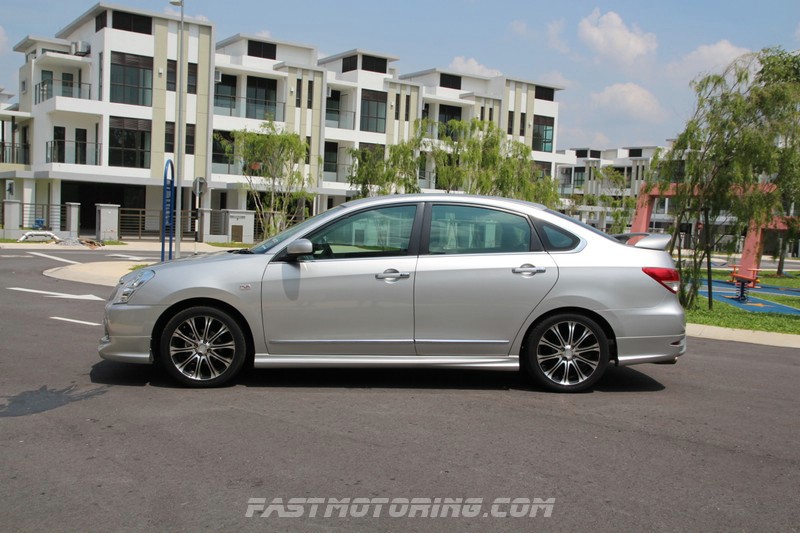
785 340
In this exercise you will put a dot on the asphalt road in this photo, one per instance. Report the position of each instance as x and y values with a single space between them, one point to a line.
87 445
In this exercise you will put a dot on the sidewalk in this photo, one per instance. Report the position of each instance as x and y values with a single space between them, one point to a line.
107 273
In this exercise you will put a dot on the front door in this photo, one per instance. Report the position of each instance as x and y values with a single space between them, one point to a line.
354 295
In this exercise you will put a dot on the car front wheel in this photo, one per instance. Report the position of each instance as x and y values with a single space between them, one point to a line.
567 353
202 347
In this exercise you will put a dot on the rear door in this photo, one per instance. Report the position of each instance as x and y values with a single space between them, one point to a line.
480 274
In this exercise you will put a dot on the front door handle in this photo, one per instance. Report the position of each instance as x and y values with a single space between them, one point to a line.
529 270
393 274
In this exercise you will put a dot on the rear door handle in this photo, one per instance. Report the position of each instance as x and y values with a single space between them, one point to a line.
529 270
393 274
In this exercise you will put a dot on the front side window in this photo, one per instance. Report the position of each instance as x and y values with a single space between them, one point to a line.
373 111
458 229
380 232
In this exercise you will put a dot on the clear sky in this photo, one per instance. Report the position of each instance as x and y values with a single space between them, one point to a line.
625 65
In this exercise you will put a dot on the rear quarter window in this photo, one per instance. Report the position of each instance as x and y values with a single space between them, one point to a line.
556 239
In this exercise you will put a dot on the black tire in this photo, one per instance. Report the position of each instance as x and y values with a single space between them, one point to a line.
202 347
566 353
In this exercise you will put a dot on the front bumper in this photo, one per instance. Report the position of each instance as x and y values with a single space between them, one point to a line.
128 330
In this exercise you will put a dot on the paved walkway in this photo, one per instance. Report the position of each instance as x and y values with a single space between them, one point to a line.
108 273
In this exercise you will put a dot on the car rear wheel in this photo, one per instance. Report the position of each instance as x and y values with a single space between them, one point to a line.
567 353
202 347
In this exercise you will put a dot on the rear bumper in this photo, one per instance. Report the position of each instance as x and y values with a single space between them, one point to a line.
639 350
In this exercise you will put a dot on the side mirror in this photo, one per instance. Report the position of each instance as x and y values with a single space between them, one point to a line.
299 247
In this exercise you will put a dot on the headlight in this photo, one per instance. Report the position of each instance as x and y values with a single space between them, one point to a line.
133 284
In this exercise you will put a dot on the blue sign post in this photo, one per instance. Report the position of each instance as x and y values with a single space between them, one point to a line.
167 208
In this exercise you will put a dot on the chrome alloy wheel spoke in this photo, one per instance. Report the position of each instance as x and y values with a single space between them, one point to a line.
568 353
200 350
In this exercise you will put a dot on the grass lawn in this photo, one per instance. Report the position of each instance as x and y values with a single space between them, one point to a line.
728 316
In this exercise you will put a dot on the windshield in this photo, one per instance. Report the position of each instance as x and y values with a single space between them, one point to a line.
272 242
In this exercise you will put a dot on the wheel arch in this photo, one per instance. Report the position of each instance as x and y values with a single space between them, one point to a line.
602 322
177 307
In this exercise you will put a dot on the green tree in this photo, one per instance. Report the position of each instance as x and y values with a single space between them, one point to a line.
777 93
619 204
714 166
272 164
369 173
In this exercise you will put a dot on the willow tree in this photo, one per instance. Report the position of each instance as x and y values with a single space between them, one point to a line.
273 164
714 166
613 197
777 92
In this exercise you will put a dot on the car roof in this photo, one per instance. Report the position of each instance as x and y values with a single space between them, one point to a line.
495 201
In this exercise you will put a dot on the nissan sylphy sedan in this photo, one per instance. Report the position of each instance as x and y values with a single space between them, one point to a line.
440 281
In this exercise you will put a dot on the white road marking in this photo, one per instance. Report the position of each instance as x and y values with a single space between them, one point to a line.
54 258
16 257
59 294
76 321
128 257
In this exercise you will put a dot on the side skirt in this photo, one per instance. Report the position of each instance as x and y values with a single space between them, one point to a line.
508 363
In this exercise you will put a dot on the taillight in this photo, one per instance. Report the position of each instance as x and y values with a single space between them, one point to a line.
668 277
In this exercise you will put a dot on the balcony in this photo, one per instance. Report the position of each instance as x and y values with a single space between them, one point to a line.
49 88
14 153
222 163
335 118
230 106
73 152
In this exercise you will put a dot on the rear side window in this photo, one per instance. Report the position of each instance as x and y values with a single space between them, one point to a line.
556 239
461 229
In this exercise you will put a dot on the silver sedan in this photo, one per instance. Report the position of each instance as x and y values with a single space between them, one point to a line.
447 281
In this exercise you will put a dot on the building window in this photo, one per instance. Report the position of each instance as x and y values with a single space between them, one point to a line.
172 76
261 98
308 150
510 129
446 114
450 81
545 168
397 106
545 93
298 92
491 114
408 107
579 176
331 158
263 50
129 142
373 111
349 63
543 133
594 154
310 96
483 113
219 153
131 22
374 64
635 152
225 92
581 154
426 111
100 21
131 79
522 124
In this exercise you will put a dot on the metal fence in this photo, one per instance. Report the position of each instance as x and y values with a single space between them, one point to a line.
47 217
146 223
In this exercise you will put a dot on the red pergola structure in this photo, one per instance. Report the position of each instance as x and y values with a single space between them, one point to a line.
753 242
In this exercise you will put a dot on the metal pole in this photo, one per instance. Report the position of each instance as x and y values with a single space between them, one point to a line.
180 141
